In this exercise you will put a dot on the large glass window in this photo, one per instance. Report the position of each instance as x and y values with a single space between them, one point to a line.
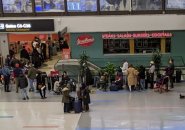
175 4
49 6
146 4
17 6
82 5
114 5
116 46
147 45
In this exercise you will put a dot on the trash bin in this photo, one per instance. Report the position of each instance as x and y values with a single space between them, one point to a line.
178 76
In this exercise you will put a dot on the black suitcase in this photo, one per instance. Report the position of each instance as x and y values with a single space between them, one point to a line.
77 106
114 87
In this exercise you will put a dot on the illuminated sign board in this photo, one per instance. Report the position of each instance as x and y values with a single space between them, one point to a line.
137 35
26 25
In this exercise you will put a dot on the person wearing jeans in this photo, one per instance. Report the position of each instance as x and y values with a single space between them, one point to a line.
142 77
6 75
32 75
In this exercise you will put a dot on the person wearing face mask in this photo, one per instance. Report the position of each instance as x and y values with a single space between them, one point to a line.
151 73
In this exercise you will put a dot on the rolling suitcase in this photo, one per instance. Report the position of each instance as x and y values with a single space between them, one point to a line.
114 87
77 106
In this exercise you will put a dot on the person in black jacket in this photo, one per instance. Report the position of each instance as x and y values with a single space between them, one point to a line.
23 84
24 54
170 71
41 85
142 77
85 97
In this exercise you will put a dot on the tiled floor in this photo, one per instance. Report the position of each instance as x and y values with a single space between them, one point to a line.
120 110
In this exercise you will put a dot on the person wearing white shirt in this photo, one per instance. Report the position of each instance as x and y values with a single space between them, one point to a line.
124 70
151 73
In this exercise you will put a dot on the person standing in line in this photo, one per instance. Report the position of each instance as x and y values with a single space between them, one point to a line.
151 74
23 84
142 77
16 72
124 70
131 77
86 97
6 75
66 99
170 71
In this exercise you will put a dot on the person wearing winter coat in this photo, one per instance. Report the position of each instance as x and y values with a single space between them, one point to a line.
131 72
86 98
66 99
23 84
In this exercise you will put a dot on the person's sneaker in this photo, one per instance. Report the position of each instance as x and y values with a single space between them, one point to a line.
27 97
24 99
45 97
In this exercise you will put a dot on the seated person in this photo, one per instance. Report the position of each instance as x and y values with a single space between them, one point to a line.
158 82
56 87
103 81
119 80
161 83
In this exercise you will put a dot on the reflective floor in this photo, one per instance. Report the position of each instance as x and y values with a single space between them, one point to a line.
122 110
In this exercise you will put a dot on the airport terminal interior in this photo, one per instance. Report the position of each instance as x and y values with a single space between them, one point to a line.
111 110
92 65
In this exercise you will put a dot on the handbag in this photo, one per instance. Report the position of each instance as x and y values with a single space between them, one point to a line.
40 86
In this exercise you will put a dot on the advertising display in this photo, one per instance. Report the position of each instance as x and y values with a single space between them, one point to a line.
85 40
137 35
49 6
175 4
115 5
26 25
146 4
82 5
17 6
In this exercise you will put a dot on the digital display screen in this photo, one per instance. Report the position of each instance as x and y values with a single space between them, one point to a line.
175 4
114 5
82 5
146 4
17 6
49 6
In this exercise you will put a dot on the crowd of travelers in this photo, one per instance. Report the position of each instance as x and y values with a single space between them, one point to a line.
24 74
138 78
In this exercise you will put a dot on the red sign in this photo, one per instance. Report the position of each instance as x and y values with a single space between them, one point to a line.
85 40
137 35
66 54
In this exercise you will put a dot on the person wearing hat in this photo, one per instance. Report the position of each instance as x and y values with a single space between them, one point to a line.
151 73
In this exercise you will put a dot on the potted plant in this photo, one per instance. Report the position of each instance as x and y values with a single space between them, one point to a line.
110 69
83 65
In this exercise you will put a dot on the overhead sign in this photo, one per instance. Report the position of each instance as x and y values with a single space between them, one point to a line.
27 25
85 40
136 35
